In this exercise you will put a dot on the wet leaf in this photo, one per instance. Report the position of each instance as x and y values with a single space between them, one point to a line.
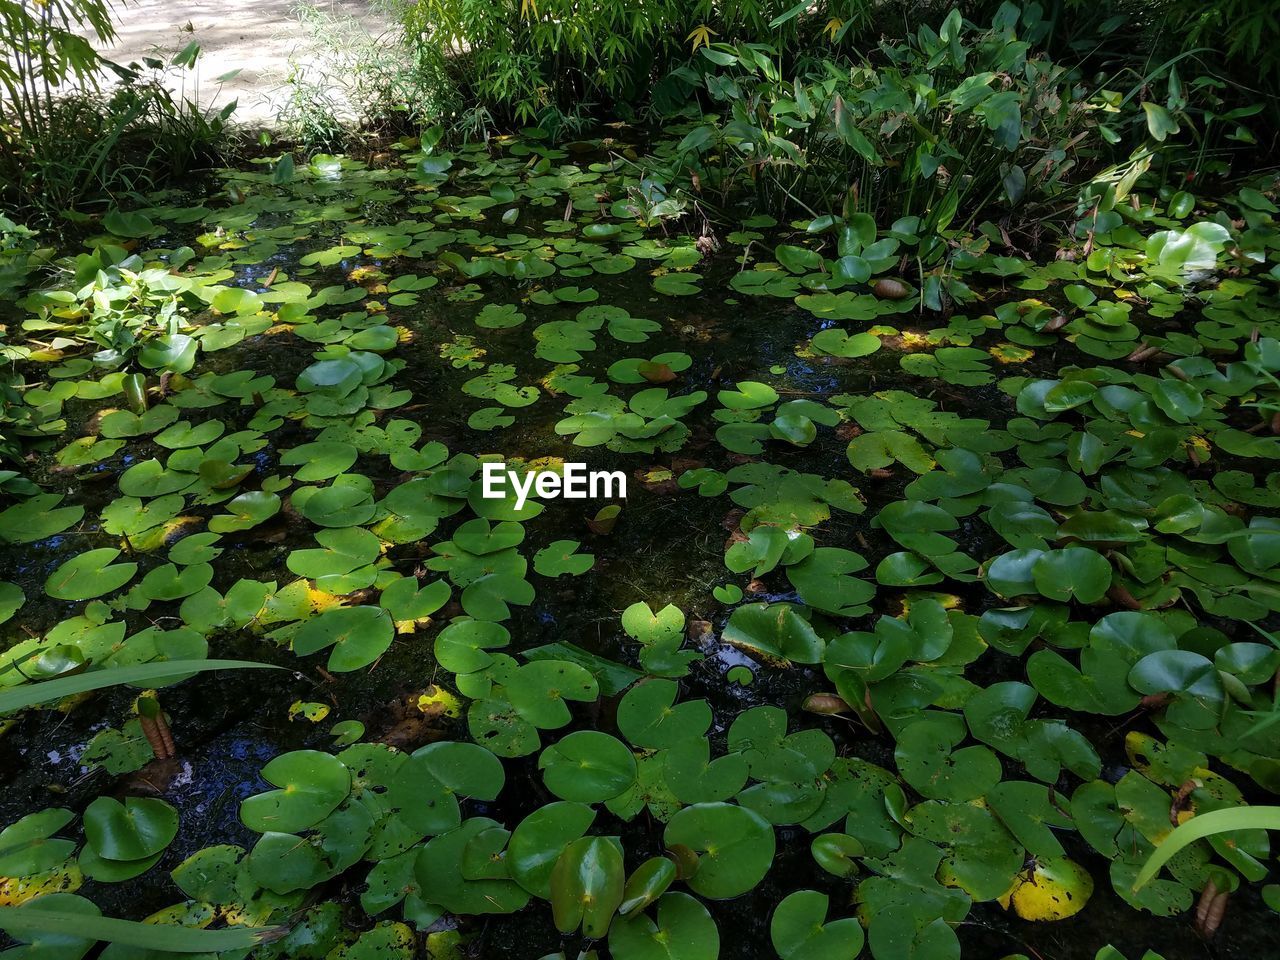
735 847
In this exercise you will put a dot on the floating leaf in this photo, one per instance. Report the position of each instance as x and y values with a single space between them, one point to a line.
799 930
1054 890
775 630
588 767
312 785
560 557
89 574
683 930
586 886
28 846
649 882
735 847
134 830
358 636
648 715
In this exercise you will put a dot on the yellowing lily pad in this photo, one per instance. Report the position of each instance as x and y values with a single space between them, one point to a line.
1053 889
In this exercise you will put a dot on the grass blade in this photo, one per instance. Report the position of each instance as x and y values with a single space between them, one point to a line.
20 922
28 695
1205 825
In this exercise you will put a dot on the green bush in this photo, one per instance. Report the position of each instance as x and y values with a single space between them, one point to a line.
937 126
44 51
19 256
91 144
59 149
542 58
943 126
356 81
1228 42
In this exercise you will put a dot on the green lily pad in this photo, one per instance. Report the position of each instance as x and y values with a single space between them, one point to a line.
588 767
493 316
540 838
1194 679
438 870
342 504
727 593
319 461
246 511
648 715
560 557
735 847
838 343
587 882
358 636
929 761
28 845
406 601
140 827
538 691
642 624
11 599
799 930
285 862
312 785
647 884
749 395
677 284
89 574
682 930
337 565
776 630
488 598
1072 572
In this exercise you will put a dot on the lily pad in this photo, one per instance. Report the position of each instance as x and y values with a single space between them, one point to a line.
735 847
587 882
358 636
682 930
588 767
138 828
312 785
799 930
539 839
89 574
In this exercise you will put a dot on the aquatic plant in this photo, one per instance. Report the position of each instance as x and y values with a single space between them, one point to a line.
959 545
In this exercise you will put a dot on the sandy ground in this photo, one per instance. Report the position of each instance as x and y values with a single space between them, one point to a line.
258 37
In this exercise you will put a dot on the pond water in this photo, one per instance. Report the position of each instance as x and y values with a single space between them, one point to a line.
926 381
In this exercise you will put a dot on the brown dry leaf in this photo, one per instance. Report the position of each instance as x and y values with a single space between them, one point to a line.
656 372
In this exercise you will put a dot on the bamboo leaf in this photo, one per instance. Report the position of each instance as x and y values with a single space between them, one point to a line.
28 695
791 14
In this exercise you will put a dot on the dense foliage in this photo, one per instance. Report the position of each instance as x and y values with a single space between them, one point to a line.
554 61
64 140
1067 540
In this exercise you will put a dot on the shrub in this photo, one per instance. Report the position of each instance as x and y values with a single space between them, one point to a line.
60 150
19 256
937 126
942 126
43 52
355 80
526 61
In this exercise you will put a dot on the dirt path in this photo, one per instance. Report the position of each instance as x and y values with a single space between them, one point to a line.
258 37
